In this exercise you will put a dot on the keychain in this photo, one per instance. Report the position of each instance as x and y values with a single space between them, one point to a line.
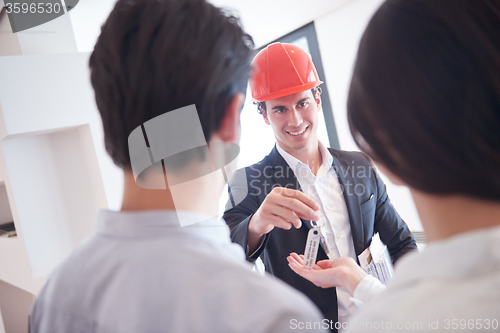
321 224
315 236
312 244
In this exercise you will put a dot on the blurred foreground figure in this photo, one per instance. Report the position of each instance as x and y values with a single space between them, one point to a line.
424 103
164 72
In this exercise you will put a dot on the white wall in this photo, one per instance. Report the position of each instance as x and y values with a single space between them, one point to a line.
87 18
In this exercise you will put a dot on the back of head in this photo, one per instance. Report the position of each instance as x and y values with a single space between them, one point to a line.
157 56
425 94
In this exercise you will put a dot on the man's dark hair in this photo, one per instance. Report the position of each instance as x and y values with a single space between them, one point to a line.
425 94
158 56
261 106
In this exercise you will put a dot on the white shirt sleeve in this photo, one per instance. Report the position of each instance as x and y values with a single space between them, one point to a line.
367 289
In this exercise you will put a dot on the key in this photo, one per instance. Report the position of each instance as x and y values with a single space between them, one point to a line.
312 244
324 241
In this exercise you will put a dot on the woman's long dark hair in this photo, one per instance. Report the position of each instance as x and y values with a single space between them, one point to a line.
425 94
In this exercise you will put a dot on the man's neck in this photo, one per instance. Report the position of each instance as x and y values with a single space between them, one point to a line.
136 198
199 195
310 155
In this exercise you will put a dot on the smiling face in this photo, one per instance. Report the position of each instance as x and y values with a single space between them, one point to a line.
294 120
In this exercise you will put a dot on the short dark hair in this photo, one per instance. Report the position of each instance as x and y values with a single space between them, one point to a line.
261 106
425 94
158 56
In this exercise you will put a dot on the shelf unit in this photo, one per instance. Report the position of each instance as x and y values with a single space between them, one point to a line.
14 317
54 170
55 173
52 183
5 211
17 285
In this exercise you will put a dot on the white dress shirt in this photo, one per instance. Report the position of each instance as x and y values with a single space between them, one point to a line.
452 285
367 289
324 188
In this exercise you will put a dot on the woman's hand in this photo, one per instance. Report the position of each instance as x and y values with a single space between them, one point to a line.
342 272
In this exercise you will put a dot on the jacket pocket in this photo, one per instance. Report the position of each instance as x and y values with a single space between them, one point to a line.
368 205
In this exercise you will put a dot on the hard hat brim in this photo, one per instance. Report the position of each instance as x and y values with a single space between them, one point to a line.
286 92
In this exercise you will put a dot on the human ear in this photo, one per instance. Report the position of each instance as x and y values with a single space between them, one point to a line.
317 99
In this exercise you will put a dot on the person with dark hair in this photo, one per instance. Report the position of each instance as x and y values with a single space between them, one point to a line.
165 72
301 180
424 103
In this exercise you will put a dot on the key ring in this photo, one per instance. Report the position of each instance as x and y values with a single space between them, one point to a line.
315 223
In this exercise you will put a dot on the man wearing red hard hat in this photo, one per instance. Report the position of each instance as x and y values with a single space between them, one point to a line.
302 181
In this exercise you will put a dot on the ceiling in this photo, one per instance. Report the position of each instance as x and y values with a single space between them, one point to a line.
264 20
267 20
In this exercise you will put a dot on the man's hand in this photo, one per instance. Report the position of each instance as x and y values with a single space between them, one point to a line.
282 208
342 272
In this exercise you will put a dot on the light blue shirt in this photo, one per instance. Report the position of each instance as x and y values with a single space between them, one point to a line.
142 272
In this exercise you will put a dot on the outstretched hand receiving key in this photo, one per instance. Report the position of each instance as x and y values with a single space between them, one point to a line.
341 272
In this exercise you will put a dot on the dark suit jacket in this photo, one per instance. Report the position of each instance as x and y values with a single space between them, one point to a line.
368 205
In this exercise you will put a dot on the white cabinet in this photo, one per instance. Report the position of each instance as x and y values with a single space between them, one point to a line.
54 171
52 154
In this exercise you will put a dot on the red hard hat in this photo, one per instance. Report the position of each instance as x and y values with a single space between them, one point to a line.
281 70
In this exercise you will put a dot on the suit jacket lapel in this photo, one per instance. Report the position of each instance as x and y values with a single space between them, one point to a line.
345 174
281 171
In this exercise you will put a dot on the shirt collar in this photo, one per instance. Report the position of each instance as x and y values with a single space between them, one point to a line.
294 163
158 222
165 223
